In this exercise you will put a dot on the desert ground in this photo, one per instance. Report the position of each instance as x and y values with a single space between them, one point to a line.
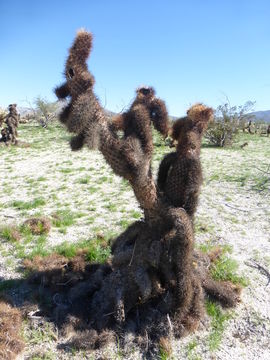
86 202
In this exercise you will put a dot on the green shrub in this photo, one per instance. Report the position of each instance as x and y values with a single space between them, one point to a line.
228 120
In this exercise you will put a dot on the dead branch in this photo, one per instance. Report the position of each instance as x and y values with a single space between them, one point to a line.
244 210
259 267
267 172
236 208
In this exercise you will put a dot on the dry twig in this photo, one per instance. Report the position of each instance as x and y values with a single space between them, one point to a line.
259 267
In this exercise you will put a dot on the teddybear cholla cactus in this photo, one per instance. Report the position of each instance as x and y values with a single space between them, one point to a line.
10 133
156 107
152 264
180 173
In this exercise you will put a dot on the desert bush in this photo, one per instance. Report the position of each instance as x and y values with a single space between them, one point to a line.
45 111
263 129
227 122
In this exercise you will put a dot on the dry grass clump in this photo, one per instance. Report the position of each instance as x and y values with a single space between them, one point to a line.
15 235
10 233
58 273
22 144
215 254
47 263
165 347
86 339
38 225
11 343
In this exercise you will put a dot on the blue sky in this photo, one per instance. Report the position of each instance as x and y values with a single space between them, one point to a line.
188 50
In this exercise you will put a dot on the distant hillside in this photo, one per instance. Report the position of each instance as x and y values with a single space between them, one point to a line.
258 116
261 116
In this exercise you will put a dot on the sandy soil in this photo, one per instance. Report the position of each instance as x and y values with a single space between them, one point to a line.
231 210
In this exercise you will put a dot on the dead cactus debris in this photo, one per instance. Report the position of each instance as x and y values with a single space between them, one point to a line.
38 225
11 342
155 282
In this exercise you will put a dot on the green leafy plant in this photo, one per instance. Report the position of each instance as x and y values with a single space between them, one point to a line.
227 122
218 322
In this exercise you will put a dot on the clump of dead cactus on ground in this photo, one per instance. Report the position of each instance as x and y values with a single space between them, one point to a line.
38 225
11 342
